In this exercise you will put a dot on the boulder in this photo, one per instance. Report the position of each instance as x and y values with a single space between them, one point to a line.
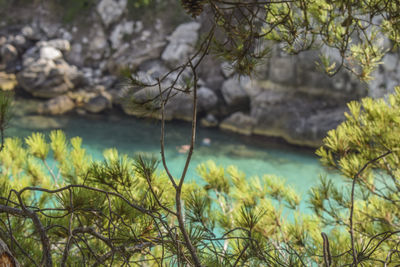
390 61
75 55
181 43
298 117
234 94
206 99
227 69
8 54
239 122
120 32
48 78
7 81
97 104
98 43
111 10
282 70
56 106
179 106
50 53
20 42
29 33
59 44
132 55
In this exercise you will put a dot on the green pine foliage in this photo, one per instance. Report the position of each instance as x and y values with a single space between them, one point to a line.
122 209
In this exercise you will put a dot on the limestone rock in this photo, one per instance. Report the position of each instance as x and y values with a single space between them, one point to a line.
233 93
56 106
7 81
227 69
180 106
131 56
207 99
98 43
181 43
59 44
111 10
47 78
20 42
50 53
390 62
97 104
282 70
121 30
29 32
75 54
239 122
297 117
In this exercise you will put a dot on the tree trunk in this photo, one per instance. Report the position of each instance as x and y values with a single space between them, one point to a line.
6 257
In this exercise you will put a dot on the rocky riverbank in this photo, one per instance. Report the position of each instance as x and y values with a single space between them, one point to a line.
77 67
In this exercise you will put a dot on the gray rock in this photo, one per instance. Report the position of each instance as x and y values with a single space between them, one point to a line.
239 122
186 33
233 93
390 62
56 106
207 99
50 28
298 117
131 56
59 44
75 54
376 87
176 53
138 26
227 69
121 30
98 43
47 78
97 104
111 10
181 43
154 68
29 32
282 70
19 41
50 53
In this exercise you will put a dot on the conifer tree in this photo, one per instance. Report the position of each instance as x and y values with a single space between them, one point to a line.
60 207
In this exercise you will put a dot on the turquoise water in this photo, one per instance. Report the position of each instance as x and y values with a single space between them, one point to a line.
254 156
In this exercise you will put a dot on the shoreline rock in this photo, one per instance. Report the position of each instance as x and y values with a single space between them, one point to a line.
78 68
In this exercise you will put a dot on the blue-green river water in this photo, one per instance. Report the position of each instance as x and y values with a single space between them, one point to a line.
253 156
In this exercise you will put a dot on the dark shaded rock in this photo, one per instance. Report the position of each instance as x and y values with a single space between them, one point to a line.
9 54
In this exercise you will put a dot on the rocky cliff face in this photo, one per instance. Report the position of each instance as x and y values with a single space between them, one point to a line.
76 66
